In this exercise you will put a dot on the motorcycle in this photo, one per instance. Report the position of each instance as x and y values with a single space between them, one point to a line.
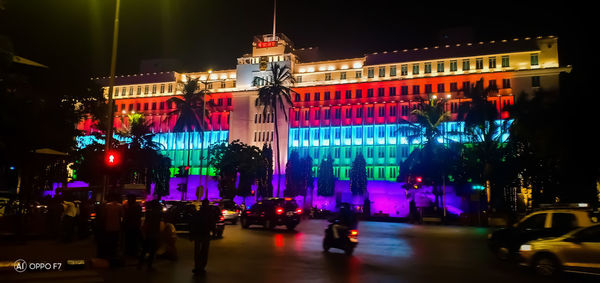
347 241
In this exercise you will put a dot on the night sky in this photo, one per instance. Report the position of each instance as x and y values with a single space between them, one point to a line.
74 36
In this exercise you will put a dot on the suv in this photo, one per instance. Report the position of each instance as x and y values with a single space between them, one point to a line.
273 212
181 214
505 242
229 209
577 251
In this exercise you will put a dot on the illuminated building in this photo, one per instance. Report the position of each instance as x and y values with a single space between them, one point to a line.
343 106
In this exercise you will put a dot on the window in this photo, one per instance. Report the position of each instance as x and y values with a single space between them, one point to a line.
427 68
370 92
161 106
416 89
358 74
440 66
392 71
162 88
359 93
405 110
492 84
223 85
327 76
342 75
369 152
393 91
298 79
453 66
563 222
124 91
479 63
492 63
297 97
131 91
370 72
404 70
370 112
338 94
130 107
327 114
381 72
381 153
317 115
138 107
317 96
505 83
348 113
466 86
348 94
505 61
381 92
145 106
415 69
453 86
116 91
209 85
307 96
534 60
306 115
590 234
170 88
404 90
146 89
359 113
153 89
440 88
393 111
535 81
229 101
327 95
466 65
428 88
139 90
220 101
534 222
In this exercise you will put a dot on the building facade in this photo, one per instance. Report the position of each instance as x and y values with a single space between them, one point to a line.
342 107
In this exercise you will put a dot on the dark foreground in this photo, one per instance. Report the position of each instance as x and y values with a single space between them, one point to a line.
388 252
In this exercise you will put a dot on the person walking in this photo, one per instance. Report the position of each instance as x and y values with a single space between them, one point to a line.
70 212
202 223
131 224
151 233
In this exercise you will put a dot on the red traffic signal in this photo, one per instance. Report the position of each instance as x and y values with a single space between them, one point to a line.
419 179
112 158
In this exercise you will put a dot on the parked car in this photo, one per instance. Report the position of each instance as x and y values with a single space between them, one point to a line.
180 214
229 209
505 242
576 251
272 212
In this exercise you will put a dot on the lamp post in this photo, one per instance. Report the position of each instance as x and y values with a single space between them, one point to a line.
111 85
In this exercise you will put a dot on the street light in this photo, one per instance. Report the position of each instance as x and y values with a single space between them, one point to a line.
111 85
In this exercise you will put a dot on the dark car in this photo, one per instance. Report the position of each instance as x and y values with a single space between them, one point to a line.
505 242
272 212
229 209
180 214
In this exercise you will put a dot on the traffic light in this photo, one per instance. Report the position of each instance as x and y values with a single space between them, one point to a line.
112 158
183 171
419 179
186 171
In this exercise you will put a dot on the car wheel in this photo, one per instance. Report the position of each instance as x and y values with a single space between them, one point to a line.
546 266
291 227
349 251
325 245
269 224
245 224
502 253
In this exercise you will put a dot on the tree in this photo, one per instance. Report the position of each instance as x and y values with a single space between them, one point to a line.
191 115
294 179
273 95
265 174
326 179
358 175
307 176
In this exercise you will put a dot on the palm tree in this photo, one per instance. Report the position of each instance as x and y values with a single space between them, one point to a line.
191 114
273 95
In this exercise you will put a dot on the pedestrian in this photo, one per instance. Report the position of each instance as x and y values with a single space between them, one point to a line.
151 233
112 214
131 224
202 224
55 211
168 238
70 212
83 219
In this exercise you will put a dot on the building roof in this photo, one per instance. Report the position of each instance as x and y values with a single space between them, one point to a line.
449 51
139 78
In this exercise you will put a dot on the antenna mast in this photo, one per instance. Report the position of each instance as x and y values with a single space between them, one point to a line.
274 16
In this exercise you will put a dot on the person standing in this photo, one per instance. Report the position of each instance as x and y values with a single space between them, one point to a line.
131 223
83 218
112 214
151 233
70 212
202 223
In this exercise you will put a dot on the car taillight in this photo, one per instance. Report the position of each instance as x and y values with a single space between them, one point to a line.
299 210
353 232
92 214
279 210
222 218
247 211
224 211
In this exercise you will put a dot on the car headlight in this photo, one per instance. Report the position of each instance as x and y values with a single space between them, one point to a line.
525 247
489 236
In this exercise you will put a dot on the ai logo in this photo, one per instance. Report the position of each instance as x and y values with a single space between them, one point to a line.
20 265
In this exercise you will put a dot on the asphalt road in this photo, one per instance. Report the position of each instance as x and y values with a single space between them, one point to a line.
387 252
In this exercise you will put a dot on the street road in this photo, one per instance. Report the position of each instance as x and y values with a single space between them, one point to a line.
387 252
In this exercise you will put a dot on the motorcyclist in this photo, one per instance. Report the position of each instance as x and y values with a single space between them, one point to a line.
345 220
